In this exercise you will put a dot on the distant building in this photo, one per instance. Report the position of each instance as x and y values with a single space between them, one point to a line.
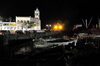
23 23
8 26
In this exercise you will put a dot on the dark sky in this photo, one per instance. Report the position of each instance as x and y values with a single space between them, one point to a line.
52 10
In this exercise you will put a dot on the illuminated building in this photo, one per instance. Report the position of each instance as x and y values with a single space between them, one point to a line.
23 23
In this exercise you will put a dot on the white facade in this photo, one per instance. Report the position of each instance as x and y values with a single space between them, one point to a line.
20 22
23 23
37 14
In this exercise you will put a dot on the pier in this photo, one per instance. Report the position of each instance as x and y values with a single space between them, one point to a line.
5 38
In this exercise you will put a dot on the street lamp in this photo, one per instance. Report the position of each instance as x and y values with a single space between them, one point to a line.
58 27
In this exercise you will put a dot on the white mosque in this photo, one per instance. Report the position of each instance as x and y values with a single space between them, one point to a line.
23 23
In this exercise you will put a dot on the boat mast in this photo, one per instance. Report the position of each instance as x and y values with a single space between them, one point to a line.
87 24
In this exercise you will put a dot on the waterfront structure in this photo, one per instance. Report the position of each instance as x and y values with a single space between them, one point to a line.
23 23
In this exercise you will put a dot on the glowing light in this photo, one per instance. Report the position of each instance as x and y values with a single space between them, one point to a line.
55 27
60 27
13 24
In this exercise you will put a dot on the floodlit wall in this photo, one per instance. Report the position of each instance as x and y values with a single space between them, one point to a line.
23 23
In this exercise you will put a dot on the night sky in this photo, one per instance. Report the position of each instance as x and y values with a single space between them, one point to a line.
71 11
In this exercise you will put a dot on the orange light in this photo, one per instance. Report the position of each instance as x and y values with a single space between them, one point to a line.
55 27
60 27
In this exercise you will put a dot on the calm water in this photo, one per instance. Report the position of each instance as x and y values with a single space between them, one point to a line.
82 55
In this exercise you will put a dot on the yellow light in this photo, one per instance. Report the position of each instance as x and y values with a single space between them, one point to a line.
60 27
13 24
55 27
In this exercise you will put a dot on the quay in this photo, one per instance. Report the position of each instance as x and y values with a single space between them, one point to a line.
5 38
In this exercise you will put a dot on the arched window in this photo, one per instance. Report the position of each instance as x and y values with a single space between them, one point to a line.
37 14
21 20
27 21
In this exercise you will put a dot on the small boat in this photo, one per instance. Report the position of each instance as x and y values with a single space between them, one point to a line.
53 43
